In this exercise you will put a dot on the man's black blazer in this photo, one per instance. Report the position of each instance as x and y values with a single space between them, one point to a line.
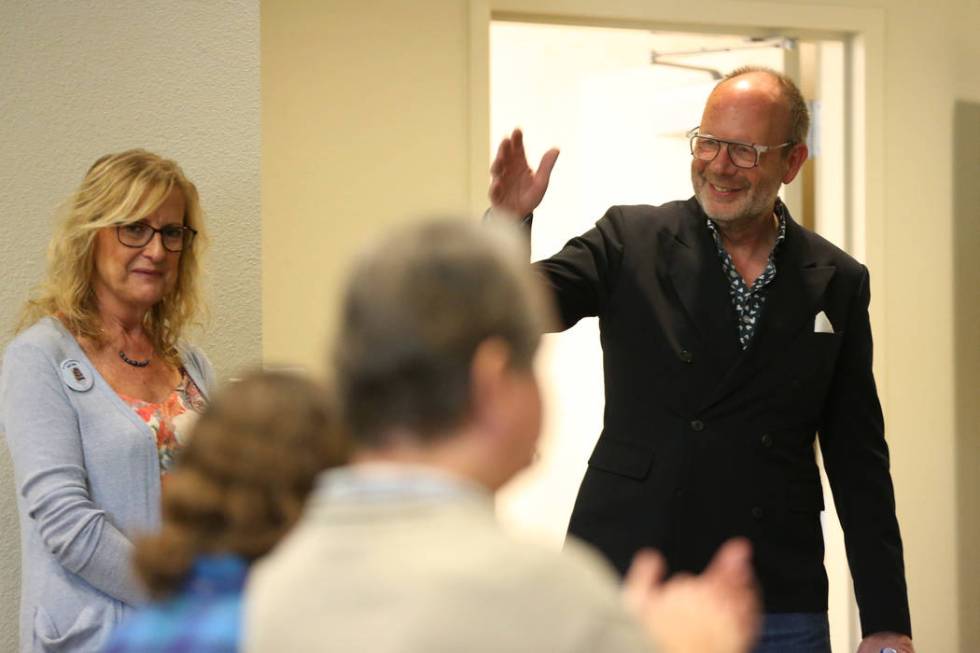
702 441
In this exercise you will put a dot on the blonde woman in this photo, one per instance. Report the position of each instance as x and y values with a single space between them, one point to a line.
239 486
95 393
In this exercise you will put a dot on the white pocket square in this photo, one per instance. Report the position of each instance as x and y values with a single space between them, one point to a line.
822 324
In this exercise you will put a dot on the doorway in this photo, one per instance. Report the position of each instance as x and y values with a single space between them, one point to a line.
619 102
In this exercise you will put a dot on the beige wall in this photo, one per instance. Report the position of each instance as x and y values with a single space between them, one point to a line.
365 116
78 80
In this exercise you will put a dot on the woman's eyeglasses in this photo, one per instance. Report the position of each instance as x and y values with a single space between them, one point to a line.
175 238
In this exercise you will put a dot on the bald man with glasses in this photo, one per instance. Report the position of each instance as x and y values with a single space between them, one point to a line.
732 339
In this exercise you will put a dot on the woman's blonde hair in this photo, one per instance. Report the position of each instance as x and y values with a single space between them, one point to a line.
118 189
242 481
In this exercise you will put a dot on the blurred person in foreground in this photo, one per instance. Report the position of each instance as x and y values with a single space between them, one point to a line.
400 551
237 488
97 391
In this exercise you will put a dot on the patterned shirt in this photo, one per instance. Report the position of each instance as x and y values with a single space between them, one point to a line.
204 617
748 302
170 419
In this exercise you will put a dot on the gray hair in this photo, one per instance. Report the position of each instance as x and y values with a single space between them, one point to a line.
417 306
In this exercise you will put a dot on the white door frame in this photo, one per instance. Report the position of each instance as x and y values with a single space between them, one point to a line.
861 30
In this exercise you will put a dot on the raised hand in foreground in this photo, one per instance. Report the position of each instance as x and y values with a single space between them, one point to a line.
715 612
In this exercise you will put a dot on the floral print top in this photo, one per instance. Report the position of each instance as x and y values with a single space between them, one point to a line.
171 419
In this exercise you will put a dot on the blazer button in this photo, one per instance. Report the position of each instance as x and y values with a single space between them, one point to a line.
757 512
766 440
686 356
697 425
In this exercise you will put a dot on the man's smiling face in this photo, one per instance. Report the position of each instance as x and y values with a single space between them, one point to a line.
748 109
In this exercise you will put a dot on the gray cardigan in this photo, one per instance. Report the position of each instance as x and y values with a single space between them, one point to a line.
88 480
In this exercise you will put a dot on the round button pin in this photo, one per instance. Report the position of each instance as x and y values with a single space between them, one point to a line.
76 375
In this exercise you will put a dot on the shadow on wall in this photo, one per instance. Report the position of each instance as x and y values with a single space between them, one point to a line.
10 551
966 357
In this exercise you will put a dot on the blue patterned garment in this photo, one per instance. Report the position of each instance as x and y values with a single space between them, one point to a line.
204 617
747 301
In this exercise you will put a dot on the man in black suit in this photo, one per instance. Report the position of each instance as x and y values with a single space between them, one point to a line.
731 337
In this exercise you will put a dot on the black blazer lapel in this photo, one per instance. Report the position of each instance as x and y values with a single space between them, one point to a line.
792 301
695 272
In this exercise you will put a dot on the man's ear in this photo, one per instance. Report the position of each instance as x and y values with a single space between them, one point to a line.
794 161
488 376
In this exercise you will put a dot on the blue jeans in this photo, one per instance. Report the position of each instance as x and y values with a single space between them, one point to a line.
794 632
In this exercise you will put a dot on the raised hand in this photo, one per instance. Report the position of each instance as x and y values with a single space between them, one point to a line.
514 187
716 612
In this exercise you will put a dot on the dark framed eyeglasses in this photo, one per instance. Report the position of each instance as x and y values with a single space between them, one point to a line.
743 155
175 237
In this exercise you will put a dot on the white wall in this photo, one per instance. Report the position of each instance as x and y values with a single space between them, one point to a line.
80 79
